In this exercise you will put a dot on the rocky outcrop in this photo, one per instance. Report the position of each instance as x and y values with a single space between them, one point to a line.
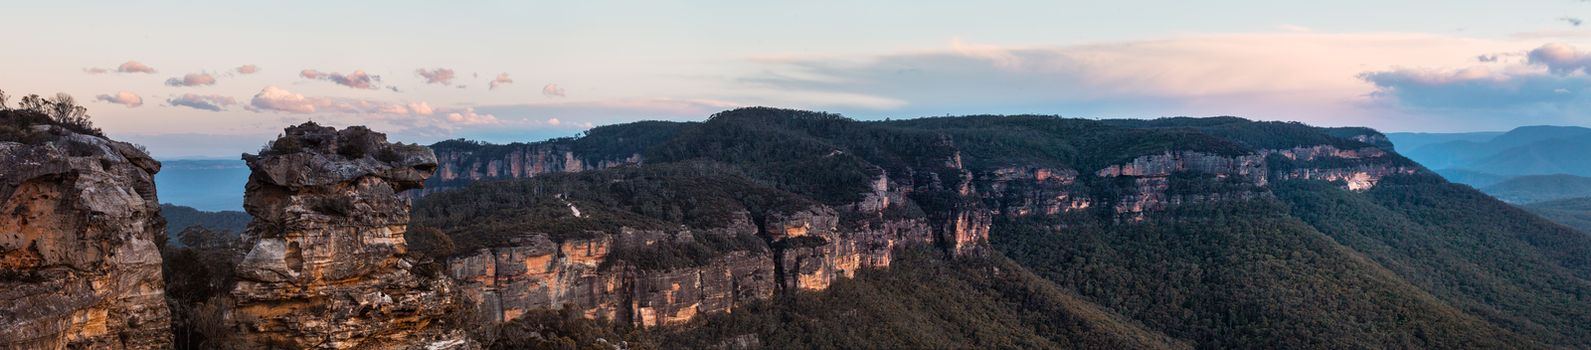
1025 191
1248 167
461 162
814 248
326 266
79 265
1356 178
535 273
1359 169
807 250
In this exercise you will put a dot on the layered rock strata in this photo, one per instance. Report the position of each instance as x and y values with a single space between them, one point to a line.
79 265
326 264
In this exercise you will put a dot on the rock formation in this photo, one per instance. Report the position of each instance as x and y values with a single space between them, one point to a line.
79 265
462 162
326 266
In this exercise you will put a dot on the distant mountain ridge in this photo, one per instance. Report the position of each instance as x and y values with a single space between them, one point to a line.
1540 188
1528 150
204 184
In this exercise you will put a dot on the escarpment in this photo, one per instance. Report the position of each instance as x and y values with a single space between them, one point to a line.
594 247
79 226
326 264
648 273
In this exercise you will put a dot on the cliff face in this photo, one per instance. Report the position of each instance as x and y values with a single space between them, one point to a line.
918 190
806 251
79 266
326 266
1246 175
462 163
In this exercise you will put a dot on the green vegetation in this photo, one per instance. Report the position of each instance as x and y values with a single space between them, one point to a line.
669 197
199 275
1416 262
1481 256
16 125
1573 212
924 301
180 218
1238 275
1540 188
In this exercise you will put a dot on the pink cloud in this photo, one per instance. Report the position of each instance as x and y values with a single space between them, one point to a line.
124 98
311 74
247 69
469 117
502 79
442 76
95 70
276 99
358 79
192 79
552 90
1560 58
213 103
135 67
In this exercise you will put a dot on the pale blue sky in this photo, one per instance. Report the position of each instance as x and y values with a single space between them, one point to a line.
1408 65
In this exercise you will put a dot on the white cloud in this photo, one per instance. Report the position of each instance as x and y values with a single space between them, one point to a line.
124 98
276 99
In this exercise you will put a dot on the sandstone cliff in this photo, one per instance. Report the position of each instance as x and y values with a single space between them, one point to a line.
797 249
921 194
79 266
461 162
326 264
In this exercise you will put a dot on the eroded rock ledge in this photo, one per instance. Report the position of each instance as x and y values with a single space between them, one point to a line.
79 266
326 265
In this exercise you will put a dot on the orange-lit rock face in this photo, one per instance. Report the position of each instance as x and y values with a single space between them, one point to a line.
78 222
571 274
325 266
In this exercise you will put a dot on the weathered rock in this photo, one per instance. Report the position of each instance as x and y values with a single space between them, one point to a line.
79 266
534 273
1249 167
326 265
462 163
1024 191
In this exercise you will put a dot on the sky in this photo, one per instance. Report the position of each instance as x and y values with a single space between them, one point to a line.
202 79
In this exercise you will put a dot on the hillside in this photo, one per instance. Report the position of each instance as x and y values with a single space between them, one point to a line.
179 218
1573 212
1539 188
1201 232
